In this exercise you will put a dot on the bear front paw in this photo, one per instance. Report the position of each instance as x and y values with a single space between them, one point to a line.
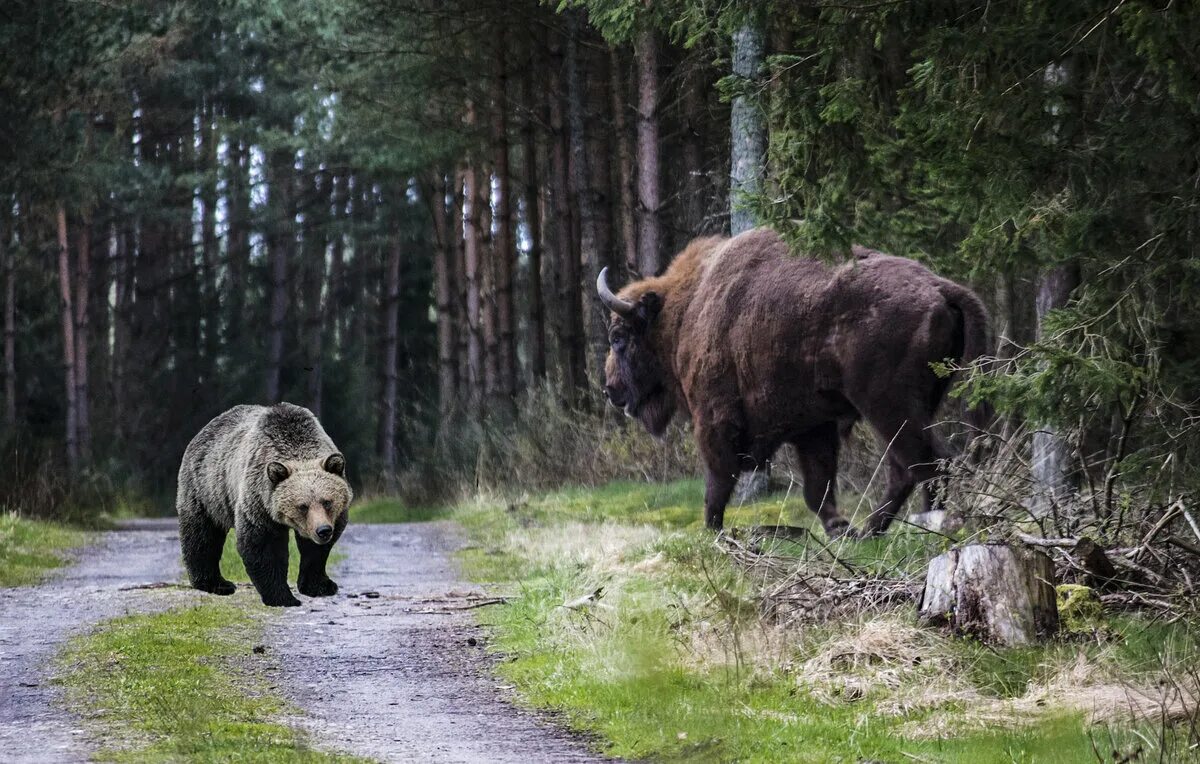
281 600
323 587
216 586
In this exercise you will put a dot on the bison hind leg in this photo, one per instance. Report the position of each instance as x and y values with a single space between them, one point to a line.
817 452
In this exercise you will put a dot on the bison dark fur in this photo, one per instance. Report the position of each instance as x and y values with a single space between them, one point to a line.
762 347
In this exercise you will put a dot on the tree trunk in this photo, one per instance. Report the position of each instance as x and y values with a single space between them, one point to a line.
694 196
748 144
503 250
237 250
81 293
1051 453
68 338
488 316
9 255
444 290
569 313
209 246
316 245
651 261
337 260
280 243
471 252
122 319
391 345
624 152
533 219
997 593
595 323
748 135
462 328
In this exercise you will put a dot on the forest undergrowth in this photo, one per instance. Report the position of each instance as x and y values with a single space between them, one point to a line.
670 643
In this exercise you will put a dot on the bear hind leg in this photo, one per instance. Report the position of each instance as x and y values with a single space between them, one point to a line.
202 542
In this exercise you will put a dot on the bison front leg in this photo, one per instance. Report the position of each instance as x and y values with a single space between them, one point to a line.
718 486
721 471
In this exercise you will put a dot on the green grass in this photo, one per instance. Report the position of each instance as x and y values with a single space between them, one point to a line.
182 686
631 670
29 549
233 569
393 510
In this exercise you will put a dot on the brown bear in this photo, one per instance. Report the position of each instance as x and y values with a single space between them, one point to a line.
262 471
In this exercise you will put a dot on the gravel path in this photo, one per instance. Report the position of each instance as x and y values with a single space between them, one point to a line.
389 669
393 669
36 620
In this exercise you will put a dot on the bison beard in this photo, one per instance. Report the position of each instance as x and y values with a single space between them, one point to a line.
764 348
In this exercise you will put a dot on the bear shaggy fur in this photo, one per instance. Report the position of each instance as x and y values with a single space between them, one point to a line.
262 472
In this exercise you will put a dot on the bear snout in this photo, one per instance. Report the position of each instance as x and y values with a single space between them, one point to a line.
324 533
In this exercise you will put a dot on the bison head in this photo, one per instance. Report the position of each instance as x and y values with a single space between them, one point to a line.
634 378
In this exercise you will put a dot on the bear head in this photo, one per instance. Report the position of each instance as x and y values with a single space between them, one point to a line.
310 496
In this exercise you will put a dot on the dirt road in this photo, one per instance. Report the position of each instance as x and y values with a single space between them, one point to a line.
36 620
390 668
402 674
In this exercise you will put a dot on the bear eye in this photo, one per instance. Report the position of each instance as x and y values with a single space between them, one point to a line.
302 507
327 504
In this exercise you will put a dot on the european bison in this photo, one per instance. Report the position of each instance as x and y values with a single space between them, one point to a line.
762 347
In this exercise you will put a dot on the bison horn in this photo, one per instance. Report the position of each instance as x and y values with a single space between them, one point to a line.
610 300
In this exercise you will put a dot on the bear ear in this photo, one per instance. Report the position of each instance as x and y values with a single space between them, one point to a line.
335 463
277 472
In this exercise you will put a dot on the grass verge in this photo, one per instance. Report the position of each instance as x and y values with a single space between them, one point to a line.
29 549
625 618
183 685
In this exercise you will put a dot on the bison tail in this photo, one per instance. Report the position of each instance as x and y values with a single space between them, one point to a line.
976 337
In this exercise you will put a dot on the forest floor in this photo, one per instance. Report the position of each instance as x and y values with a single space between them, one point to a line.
391 669
624 615
609 612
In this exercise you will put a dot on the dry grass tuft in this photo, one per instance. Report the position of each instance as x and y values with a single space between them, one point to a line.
605 547
900 667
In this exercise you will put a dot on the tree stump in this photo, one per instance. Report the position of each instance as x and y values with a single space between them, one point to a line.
1001 594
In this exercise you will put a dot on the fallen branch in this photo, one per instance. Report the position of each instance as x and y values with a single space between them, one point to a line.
1032 540
155 585
789 532
1186 546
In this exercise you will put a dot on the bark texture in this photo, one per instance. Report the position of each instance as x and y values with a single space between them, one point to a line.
1051 452
533 219
748 134
651 260
391 346
1000 594
10 327
68 339
503 249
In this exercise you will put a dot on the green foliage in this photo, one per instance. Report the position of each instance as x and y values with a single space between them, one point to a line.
30 549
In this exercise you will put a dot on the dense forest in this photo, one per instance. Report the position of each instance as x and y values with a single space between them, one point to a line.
394 212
